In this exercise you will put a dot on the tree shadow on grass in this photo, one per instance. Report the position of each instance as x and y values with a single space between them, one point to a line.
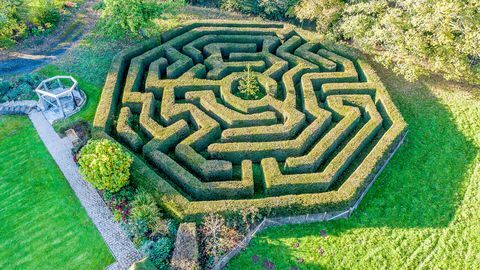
420 188
423 183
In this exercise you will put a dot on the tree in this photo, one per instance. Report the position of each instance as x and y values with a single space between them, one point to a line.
130 17
249 87
323 12
105 165
419 37
412 37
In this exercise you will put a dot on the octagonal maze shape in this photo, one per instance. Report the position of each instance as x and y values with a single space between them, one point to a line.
312 144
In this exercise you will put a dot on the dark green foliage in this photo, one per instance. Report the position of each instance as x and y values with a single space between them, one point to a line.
20 89
138 231
5 86
159 253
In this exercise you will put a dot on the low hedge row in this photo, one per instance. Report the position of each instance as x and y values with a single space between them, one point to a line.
307 178
205 190
310 75
125 131
228 118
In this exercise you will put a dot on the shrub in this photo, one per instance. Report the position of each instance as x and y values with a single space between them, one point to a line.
5 86
145 212
325 13
105 165
159 253
413 38
271 9
44 13
276 9
18 18
217 238
130 17
11 26
138 230
19 89
144 208
119 202
245 6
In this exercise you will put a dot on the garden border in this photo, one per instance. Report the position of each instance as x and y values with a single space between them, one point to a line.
118 243
303 219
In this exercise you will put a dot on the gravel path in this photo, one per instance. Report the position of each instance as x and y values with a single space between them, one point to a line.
120 245
34 52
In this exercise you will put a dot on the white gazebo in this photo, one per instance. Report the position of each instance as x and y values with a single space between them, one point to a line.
60 97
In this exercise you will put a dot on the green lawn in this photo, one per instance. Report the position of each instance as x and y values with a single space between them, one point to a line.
42 224
424 210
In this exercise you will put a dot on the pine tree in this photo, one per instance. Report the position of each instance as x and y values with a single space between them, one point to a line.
249 87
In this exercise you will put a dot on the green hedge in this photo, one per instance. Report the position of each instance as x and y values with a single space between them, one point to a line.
196 130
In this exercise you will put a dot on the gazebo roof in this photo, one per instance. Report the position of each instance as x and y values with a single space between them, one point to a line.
60 97
44 89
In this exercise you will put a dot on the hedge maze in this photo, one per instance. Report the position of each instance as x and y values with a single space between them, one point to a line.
313 143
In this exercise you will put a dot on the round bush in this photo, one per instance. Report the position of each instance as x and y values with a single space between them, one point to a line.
105 165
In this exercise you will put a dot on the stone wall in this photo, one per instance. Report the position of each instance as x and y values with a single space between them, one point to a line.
22 107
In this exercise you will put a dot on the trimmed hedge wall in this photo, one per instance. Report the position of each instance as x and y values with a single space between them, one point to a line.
318 138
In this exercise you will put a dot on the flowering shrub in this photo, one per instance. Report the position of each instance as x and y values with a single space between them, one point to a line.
105 165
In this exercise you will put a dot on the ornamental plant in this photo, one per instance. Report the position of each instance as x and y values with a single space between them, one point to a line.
105 165
248 87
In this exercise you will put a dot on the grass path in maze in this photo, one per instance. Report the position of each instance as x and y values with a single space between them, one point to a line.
424 210
42 224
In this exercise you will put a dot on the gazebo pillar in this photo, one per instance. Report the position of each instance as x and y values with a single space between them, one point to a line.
60 106
42 100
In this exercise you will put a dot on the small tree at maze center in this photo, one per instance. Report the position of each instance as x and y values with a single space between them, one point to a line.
105 165
249 87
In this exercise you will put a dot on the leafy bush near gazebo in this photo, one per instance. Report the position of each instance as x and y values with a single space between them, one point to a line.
105 165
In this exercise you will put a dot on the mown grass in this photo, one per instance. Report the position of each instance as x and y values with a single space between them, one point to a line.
424 210
42 224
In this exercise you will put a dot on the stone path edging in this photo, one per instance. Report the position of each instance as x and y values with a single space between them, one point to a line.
302 219
115 238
